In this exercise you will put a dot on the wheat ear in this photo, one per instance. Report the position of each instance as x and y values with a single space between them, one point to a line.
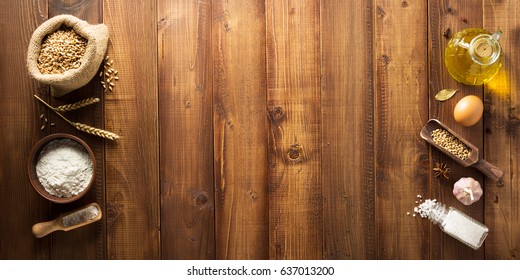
95 131
77 105
82 127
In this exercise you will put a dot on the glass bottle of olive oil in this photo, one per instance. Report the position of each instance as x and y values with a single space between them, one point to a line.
473 56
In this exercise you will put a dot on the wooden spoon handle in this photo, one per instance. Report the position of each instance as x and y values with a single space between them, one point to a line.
492 172
42 229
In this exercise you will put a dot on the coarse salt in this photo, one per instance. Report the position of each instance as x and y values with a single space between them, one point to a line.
455 223
424 209
81 216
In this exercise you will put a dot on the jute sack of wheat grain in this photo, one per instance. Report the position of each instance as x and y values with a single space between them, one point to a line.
40 56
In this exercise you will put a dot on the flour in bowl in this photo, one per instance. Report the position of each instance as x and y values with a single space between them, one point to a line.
64 168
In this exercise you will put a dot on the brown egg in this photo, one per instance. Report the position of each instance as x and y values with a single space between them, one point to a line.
468 110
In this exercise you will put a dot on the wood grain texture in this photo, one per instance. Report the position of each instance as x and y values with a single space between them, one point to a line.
93 236
132 171
455 15
347 129
294 147
264 130
240 127
89 10
186 125
20 204
502 131
401 107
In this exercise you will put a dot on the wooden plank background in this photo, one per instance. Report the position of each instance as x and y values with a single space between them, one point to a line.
186 138
239 129
264 129
294 149
348 130
502 205
401 107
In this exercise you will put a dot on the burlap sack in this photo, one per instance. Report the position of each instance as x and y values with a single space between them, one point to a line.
97 36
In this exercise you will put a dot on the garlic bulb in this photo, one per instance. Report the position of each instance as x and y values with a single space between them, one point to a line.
467 190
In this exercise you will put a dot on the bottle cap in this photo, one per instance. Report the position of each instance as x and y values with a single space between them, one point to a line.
484 49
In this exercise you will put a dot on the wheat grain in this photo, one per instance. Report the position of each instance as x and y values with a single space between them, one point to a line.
60 51
77 105
110 75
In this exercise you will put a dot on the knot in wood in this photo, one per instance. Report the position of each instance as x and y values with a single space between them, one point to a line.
295 153
227 28
201 199
380 12
385 59
112 213
277 114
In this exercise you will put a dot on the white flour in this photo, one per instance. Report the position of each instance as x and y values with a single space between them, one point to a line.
64 168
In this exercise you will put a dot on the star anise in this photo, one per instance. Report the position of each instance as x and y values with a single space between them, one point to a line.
441 169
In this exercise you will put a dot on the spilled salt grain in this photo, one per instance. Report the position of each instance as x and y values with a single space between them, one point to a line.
424 209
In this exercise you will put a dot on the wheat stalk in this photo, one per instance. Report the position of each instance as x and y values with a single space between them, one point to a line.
82 127
77 105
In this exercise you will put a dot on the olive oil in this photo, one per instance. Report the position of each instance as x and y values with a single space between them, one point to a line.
473 56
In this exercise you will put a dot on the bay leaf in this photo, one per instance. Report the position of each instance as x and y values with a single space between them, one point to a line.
445 94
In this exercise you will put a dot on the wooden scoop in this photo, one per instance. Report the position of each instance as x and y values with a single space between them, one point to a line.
474 159
69 220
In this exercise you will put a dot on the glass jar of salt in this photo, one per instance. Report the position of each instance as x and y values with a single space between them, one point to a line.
458 225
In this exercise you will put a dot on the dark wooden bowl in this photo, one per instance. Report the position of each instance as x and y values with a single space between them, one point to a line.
33 159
